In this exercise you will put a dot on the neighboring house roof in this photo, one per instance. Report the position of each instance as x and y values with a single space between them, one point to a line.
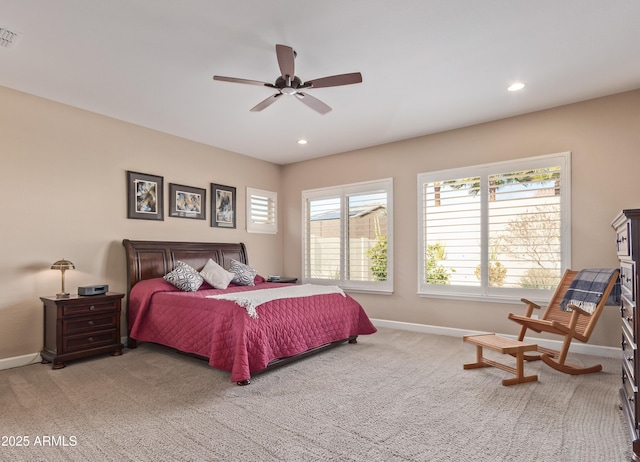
353 213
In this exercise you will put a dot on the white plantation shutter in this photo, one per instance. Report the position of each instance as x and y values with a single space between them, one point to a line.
496 230
348 236
262 211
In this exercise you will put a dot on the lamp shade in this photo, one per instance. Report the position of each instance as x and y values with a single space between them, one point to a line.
62 265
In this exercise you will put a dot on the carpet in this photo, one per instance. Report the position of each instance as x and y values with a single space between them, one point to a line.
393 396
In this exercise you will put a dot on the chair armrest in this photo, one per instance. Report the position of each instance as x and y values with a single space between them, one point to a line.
530 307
578 309
529 302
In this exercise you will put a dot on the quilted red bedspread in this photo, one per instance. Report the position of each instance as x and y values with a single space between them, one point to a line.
222 331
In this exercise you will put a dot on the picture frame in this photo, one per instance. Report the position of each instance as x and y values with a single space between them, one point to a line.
145 196
223 206
187 201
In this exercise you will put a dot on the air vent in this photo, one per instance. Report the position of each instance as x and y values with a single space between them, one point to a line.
8 37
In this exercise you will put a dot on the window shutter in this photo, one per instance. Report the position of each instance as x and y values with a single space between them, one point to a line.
262 211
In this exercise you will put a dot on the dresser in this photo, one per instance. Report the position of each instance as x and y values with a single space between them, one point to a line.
80 326
627 227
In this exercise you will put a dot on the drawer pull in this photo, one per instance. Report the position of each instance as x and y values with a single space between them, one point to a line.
621 239
630 359
92 308
90 339
629 319
630 398
91 323
623 343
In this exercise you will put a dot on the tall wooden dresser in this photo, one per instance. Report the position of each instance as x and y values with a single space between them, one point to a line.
627 227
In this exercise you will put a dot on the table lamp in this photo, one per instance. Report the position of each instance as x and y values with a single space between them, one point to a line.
62 265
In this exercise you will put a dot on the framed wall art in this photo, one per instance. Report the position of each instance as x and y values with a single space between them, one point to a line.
223 206
145 196
187 201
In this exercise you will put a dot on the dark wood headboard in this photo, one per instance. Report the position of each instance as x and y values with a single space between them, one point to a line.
154 259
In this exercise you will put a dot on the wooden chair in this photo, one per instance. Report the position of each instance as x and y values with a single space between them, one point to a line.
577 324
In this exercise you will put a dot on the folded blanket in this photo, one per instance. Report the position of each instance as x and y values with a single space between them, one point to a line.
250 299
587 288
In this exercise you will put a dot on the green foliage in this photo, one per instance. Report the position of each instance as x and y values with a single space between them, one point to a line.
497 273
435 272
378 256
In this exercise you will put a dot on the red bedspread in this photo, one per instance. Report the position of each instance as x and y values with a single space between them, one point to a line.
222 331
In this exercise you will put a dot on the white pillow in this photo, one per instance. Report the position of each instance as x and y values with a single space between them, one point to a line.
184 277
216 275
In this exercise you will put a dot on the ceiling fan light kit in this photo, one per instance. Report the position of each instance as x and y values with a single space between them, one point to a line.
289 84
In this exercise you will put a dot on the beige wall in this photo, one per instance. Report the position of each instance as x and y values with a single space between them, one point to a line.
604 138
63 194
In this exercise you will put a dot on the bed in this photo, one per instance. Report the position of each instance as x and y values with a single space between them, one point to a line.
222 331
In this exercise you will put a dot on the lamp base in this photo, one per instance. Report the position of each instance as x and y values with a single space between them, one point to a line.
62 295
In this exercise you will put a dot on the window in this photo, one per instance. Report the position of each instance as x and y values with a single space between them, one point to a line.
496 230
348 239
262 214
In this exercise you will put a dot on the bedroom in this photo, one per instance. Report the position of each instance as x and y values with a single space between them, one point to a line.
64 195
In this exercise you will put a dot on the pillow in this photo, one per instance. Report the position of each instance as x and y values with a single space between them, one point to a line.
216 275
243 275
184 277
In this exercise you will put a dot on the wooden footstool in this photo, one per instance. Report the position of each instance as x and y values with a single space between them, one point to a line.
505 346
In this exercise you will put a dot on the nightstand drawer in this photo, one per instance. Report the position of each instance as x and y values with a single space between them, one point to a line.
88 308
89 324
93 340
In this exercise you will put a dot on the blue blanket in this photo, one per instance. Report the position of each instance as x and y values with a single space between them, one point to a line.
587 288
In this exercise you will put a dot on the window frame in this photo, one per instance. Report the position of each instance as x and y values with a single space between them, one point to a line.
484 292
262 228
342 192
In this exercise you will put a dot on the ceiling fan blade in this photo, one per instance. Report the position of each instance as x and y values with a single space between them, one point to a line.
236 80
334 80
286 57
313 103
266 102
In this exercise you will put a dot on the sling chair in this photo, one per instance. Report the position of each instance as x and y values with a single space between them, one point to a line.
575 323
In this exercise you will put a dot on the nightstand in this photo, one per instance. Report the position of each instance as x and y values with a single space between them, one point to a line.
284 280
80 326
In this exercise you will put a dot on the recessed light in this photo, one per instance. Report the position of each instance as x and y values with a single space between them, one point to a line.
302 141
515 86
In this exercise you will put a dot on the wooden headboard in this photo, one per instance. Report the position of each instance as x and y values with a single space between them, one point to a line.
154 259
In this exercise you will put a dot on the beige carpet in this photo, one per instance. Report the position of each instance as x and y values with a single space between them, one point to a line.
394 396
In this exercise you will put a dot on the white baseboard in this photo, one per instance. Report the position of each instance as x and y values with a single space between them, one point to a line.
26 360
18 361
576 347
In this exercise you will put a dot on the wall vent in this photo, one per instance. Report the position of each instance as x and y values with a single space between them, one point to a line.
8 38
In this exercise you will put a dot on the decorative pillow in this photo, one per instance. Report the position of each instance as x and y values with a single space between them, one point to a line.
184 277
243 275
216 275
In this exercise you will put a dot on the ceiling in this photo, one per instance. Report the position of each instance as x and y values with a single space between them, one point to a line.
427 65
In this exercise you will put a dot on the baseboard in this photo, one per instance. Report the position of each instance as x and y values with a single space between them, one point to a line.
576 347
18 361
26 360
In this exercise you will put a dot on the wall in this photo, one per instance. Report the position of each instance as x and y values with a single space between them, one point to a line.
63 195
602 134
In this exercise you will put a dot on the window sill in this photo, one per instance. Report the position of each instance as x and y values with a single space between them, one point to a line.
484 298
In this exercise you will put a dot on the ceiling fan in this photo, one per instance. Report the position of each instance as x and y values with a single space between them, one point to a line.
289 84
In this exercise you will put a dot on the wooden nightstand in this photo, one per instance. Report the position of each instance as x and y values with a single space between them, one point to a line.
80 326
